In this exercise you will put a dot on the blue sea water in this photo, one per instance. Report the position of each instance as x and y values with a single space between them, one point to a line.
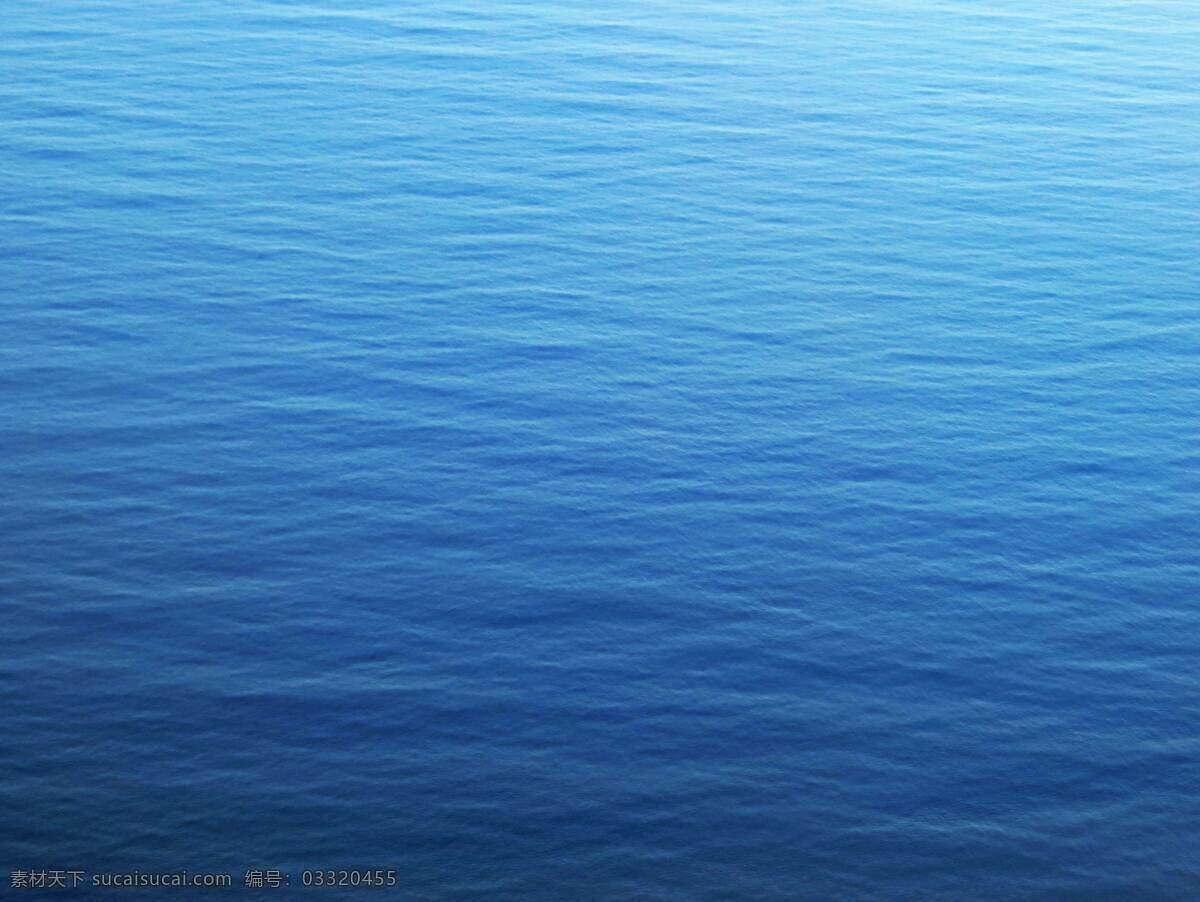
603 451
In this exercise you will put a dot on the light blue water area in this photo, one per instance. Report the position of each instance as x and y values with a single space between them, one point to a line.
602 451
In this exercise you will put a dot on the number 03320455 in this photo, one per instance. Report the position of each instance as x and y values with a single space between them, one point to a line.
376 877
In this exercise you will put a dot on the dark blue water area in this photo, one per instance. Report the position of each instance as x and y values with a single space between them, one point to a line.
603 451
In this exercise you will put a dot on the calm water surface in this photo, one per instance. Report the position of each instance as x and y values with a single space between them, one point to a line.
603 451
